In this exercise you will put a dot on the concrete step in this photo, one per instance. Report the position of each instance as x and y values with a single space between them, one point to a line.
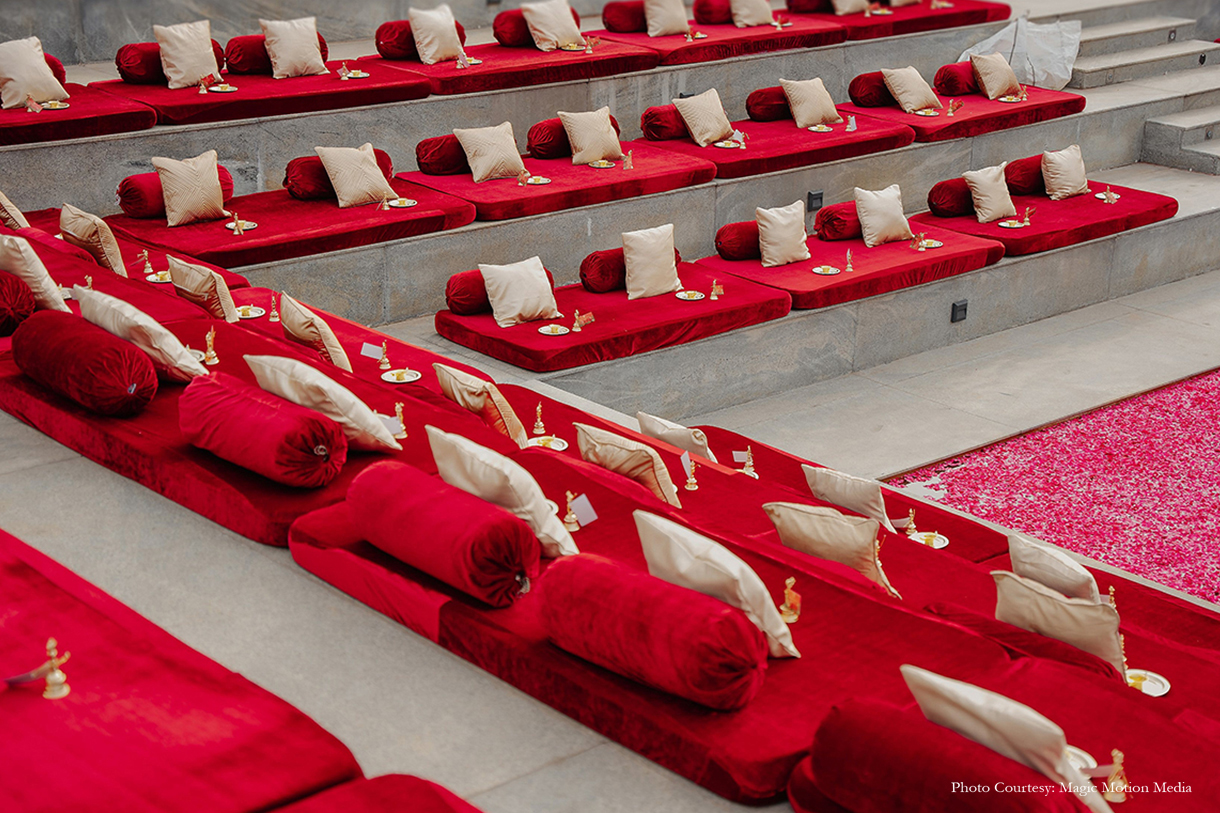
1144 32
1138 63
1184 140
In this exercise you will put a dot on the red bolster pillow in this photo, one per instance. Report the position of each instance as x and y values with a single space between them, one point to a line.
305 178
644 628
252 428
57 68
248 54
442 155
713 12
951 198
811 7
16 303
838 221
1024 176
663 123
768 104
395 40
625 17
466 542
141 196
869 90
605 271
140 62
956 79
511 30
738 241
45 240
83 362
548 139
466 292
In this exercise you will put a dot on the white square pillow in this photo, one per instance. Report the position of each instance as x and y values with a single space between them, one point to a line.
204 287
305 327
665 17
827 534
680 556
493 477
675 434
910 89
134 325
491 152
293 47
857 494
989 191
24 73
649 257
1063 173
93 234
842 7
881 217
591 135
186 53
629 458
994 75
704 117
18 258
354 174
519 292
781 234
191 189
484 399
810 102
435 33
551 24
1052 567
10 215
748 13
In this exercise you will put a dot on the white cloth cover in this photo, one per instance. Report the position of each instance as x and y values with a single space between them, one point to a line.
675 434
134 325
204 287
857 494
435 33
519 292
24 72
551 24
484 399
1041 54
649 257
354 174
491 152
810 102
186 53
990 194
1052 567
666 17
629 458
881 217
704 117
591 135
304 326
781 234
293 47
17 257
828 534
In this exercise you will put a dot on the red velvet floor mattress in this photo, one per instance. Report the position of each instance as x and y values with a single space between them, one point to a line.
725 41
912 19
90 112
383 794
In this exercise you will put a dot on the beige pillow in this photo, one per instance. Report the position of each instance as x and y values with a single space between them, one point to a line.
809 102
680 556
134 325
704 117
204 287
519 292
491 476
191 189
92 234
484 399
551 24
1063 173
827 534
910 89
24 73
748 13
881 218
1052 567
293 47
17 257
591 135
629 458
675 434
305 327
10 215
435 33
850 6
781 234
491 152
354 174
666 17
994 75
857 494
649 257
302 384
989 190
186 53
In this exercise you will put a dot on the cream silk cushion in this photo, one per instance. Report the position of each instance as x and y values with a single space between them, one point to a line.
10 215
591 135
24 72
293 48
910 89
354 174
827 534
665 17
1051 567
17 257
857 494
491 476
680 556
134 325
881 217
302 384
491 152
748 13
629 458
1063 173
649 257
186 53
675 434
92 234
551 24
519 292
704 117
484 399
989 191
191 188
994 75
435 33
1083 623
781 234
810 102
305 327
204 287
850 6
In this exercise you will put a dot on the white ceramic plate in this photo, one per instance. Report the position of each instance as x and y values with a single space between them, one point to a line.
226 88
246 225
554 506
1009 99
197 355
1155 685
931 539
65 292
1081 758
403 376
727 145
250 311
158 276
690 296
537 180
554 330
55 105
930 243
1012 224
403 203
1102 196
549 442
820 128
473 60
602 164
357 74
699 35
882 12
927 112
825 270
571 46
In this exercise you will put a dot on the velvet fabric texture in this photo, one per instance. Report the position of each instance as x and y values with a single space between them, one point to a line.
955 79
466 292
306 178
663 123
738 241
381 794
441 155
43 242
1024 176
668 637
510 29
84 363
139 63
951 198
16 303
768 104
712 12
869 90
141 195
549 139
838 221
395 40
625 16
92 113
724 40
908 19
248 54
605 271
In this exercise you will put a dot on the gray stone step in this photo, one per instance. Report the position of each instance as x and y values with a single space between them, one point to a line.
1144 32
1138 63
1185 140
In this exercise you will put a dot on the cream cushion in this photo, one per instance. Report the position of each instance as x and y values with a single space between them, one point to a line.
17 257
781 234
810 102
435 33
1063 173
675 434
629 458
186 53
1051 567
519 292
491 476
293 47
93 234
591 135
683 557
354 174
994 75
910 89
304 326
665 17
649 257
204 287
191 189
828 534
302 384
881 217
491 152
24 73
551 24
850 6
484 399
704 117
134 325
857 494
747 13
989 191
10 215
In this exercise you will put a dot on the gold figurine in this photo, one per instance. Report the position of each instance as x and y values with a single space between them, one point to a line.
569 519
691 484
148 269
748 466
384 362
275 312
57 682
629 160
401 434
1029 210
790 610
1116 784
910 529
88 283
238 225
717 289
209 357
539 427
576 328
848 267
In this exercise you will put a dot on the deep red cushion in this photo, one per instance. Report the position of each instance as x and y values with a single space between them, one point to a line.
951 198
468 543
838 221
956 79
811 7
1024 176
663 123
305 178
466 293
80 361
768 104
140 62
869 90
605 271
442 155
43 239
261 432
395 40
16 303
713 12
511 30
548 139
140 195
248 54
625 17
671 638
57 68
738 241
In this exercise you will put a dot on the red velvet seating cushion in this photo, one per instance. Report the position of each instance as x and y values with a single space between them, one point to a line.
663 123
248 54
92 113
396 41
955 79
738 241
261 432
951 198
605 271
1024 176
909 19
83 362
139 63
725 40
16 303
811 7
869 90
624 16
510 29
141 195
411 516
441 155
548 138
43 240
381 794
466 293
57 68
768 104
668 637
838 221
305 178
713 12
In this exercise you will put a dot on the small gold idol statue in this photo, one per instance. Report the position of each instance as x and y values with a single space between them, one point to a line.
401 434
344 72
790 610
629 160
384 362
238 225
576 328
1029 210
88 283
748 466
463 61
203 86
1109 195
691 483
848 267
690 35
569 519
539 427
209 357
910 529
275 312
1116 784
717 289
148 269
385 204
57 682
